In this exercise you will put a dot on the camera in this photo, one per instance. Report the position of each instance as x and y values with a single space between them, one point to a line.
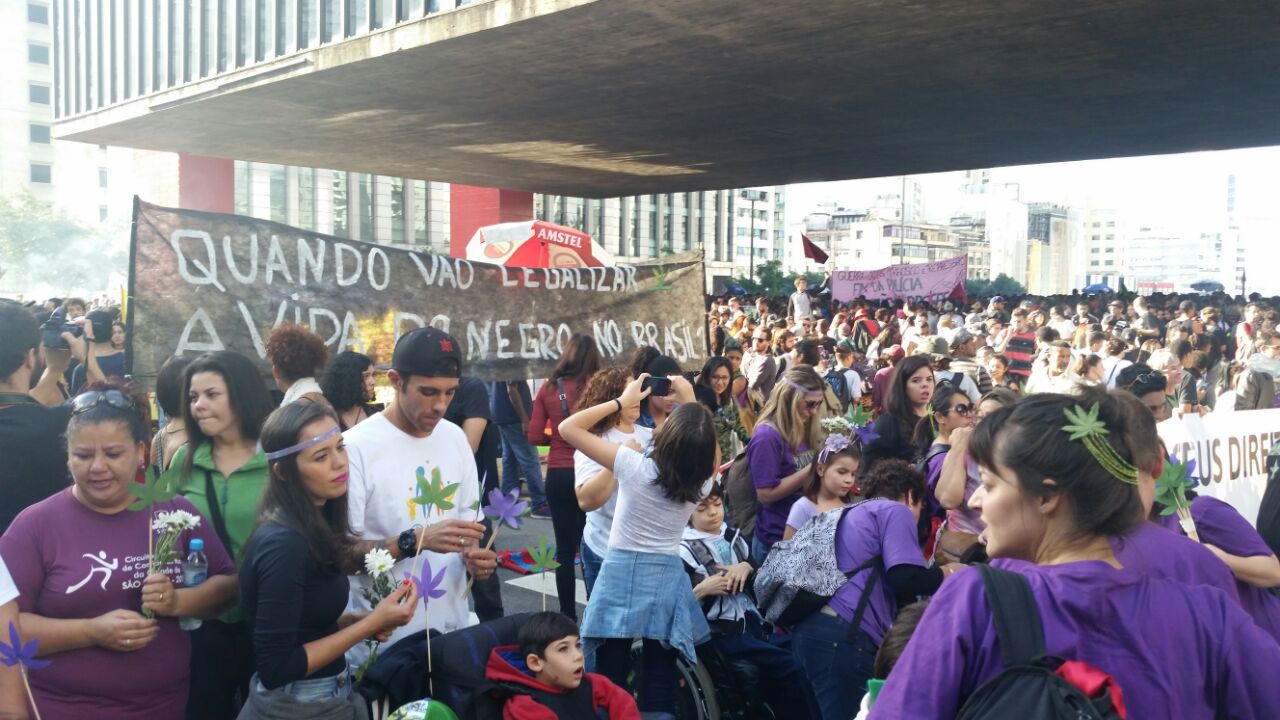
52 329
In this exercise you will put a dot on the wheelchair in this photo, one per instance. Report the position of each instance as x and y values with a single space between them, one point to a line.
712 688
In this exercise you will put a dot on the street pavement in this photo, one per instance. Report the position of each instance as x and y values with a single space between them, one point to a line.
526 593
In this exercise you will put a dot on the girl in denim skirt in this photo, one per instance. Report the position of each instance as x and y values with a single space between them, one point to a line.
642 590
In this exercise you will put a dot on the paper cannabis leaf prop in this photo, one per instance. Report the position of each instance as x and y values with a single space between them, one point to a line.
1084 424
16 653
434 494
858 416
1085 427
149 492
544 556
1172 485
428 586
505 508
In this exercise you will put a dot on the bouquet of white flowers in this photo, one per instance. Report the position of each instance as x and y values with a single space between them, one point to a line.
377 565
166 527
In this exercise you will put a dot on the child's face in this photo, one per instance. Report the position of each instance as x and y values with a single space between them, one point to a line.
708 515
560 665
838 475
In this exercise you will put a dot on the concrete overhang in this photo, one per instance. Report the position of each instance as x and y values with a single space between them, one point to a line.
602 98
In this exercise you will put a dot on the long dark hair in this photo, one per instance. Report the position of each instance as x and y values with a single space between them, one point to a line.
343 382
326 528
704 378
246 393
684 449
896 402
1028 439
581 359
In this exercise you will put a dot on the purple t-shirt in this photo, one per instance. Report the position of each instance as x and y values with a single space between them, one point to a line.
1221 525
771 460
1153 551
1177 652
71 562
877 527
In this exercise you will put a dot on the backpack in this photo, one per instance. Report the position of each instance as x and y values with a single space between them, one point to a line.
954 378
1029 688
839 384
740 502
801 574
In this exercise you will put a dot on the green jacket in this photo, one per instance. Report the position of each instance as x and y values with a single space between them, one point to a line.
239 498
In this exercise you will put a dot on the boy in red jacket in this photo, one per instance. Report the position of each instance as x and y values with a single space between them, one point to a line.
545 675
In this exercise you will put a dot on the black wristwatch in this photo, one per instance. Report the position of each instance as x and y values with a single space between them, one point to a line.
407 543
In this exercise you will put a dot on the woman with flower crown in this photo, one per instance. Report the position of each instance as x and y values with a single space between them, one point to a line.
80 561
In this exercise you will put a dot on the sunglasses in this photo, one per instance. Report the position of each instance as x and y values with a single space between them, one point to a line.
1150 377
812 404
961 410
84 402
761 339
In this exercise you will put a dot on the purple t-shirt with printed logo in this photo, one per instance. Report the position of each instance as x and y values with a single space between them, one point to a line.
1222 526
71 562
877 527
1176 651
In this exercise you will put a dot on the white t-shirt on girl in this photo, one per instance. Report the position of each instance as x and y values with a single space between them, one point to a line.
644 520
802 511
599 521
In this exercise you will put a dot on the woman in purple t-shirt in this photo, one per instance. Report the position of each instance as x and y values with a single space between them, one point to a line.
778 452
80 559
836 647
1058 481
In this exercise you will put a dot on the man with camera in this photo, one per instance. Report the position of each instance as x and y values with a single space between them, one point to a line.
35 465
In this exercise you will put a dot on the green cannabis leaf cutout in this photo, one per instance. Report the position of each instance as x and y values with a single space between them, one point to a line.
1084 424
1172 486
544 556
150 491
434 494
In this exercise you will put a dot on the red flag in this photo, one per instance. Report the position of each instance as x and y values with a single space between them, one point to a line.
811 251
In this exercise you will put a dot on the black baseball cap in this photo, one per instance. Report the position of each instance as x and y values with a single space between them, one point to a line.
427 351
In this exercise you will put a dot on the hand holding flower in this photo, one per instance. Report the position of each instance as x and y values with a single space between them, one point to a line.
122 631
396 610
159 596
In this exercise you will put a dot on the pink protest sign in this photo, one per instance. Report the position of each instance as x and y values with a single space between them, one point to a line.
934 281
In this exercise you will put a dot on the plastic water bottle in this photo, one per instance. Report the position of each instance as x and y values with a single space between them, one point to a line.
194 571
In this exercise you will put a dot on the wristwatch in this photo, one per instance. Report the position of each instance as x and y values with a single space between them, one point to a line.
407 543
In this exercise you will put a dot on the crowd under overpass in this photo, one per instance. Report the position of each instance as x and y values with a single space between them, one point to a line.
602 98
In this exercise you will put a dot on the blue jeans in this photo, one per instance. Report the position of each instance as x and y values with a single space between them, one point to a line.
591 563
759 551
314 689
834 667
517 456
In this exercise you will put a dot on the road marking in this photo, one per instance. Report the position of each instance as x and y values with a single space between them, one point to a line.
535 583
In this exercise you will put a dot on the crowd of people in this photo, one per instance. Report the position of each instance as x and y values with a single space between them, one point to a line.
921 454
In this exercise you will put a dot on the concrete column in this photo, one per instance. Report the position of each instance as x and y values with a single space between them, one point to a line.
471 208
206 183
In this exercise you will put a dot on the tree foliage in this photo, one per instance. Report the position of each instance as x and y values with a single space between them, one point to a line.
43 244
770 280
1002 285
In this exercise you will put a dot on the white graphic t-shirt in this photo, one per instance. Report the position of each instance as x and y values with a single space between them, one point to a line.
385 464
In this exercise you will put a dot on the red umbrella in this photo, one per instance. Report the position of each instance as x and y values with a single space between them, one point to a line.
535 243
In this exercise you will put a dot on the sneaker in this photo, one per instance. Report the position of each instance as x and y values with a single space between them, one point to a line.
542 512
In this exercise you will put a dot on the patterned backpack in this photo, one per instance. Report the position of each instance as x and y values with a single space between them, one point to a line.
800 575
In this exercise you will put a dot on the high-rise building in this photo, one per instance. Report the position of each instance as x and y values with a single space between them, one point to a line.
1105 239
998 212
1053 249
865 240
1163 261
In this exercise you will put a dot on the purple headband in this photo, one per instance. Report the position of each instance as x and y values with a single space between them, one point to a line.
304 444
810 394
834 443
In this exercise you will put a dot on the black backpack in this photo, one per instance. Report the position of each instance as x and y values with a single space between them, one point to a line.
839 384
1029 687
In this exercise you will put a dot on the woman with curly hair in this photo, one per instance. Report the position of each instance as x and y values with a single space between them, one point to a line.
296 356
348 386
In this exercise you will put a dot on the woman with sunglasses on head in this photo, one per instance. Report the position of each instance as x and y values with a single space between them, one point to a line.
223 473
781 449
1062 476
949 411
80 561
294 585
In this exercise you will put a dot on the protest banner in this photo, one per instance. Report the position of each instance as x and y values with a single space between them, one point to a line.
1230 450
207 281
935 281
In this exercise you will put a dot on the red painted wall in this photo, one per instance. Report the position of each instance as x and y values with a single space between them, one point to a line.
471 208
206 183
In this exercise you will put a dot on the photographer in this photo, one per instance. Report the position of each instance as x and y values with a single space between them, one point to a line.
100 359
35 464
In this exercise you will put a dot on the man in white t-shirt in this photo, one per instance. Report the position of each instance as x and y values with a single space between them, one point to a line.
800 305
388 453
13 701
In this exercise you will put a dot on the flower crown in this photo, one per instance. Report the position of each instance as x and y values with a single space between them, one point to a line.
833 445
1086 427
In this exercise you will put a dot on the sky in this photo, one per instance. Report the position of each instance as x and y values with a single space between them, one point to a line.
1188 188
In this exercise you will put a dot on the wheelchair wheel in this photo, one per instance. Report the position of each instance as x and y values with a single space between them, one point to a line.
695 694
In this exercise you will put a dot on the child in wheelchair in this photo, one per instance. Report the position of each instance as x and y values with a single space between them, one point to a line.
760 662
545 676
